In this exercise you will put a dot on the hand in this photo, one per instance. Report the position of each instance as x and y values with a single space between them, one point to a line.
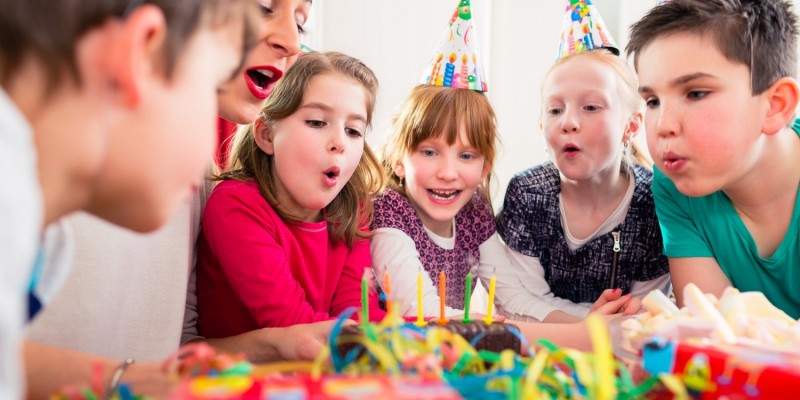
611 301
305 341
150 380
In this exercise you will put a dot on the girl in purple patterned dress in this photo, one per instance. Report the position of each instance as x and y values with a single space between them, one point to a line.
436 215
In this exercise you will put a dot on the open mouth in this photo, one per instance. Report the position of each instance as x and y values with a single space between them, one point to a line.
260 80
442 194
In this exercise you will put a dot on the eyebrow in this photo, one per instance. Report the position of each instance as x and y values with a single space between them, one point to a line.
325 107
681 80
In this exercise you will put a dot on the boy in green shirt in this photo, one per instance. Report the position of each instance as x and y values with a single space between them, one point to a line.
717 77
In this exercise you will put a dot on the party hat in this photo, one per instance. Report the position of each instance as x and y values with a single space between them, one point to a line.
305 49
583 29
455 61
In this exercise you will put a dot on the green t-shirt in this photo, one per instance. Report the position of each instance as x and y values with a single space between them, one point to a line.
709 226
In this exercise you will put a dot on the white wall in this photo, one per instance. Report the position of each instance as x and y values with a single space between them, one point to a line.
518 41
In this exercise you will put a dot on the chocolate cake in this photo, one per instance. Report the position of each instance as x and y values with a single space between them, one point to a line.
498 336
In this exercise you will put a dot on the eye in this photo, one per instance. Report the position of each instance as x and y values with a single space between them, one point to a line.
315 123
353 132
300 29
427 152
651 102
697 94
555 111
591 108
467 156
265 10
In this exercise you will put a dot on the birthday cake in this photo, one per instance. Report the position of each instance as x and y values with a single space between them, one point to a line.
494 337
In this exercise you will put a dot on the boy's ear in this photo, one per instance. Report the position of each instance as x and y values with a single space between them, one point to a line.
262 133
782 97
138 52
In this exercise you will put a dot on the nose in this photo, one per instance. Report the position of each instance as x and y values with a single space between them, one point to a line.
446 170
666 121
281 34
336 142
569 122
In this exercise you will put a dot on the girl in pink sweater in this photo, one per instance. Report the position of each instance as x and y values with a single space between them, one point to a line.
285 234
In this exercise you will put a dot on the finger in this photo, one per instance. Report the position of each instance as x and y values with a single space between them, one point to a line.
612 306
607 296
632 306
611 294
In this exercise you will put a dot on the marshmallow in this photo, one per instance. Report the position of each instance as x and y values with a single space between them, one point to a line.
702 306
656 302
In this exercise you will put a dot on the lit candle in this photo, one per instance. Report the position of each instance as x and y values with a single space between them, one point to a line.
492 284
420 318
387 290
467 297
442 293
365 298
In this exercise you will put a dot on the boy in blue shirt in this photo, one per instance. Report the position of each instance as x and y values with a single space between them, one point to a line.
717 77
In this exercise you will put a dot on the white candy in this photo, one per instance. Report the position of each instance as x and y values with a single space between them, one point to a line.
656 302
701 306
746 319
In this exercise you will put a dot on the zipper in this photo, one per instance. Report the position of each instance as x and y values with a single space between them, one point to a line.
614 259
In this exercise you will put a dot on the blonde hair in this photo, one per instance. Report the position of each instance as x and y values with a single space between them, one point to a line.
352 208
628 86
433 111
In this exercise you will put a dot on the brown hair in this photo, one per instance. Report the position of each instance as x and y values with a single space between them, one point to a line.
628 86
761 34
352 208
432 111
50 29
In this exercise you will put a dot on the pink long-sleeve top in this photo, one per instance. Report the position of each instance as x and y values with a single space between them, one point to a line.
255 270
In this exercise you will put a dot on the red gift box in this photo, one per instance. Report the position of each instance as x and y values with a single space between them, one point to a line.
736 372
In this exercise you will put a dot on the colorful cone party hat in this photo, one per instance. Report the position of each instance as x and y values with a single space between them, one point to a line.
305 49
583 29
455 62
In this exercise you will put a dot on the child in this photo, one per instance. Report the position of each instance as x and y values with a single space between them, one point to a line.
727 177
436 212
284 234
150 328
436 215
584 222
76 84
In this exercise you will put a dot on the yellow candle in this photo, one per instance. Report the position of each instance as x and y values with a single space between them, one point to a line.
420 320
442 294
492 284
